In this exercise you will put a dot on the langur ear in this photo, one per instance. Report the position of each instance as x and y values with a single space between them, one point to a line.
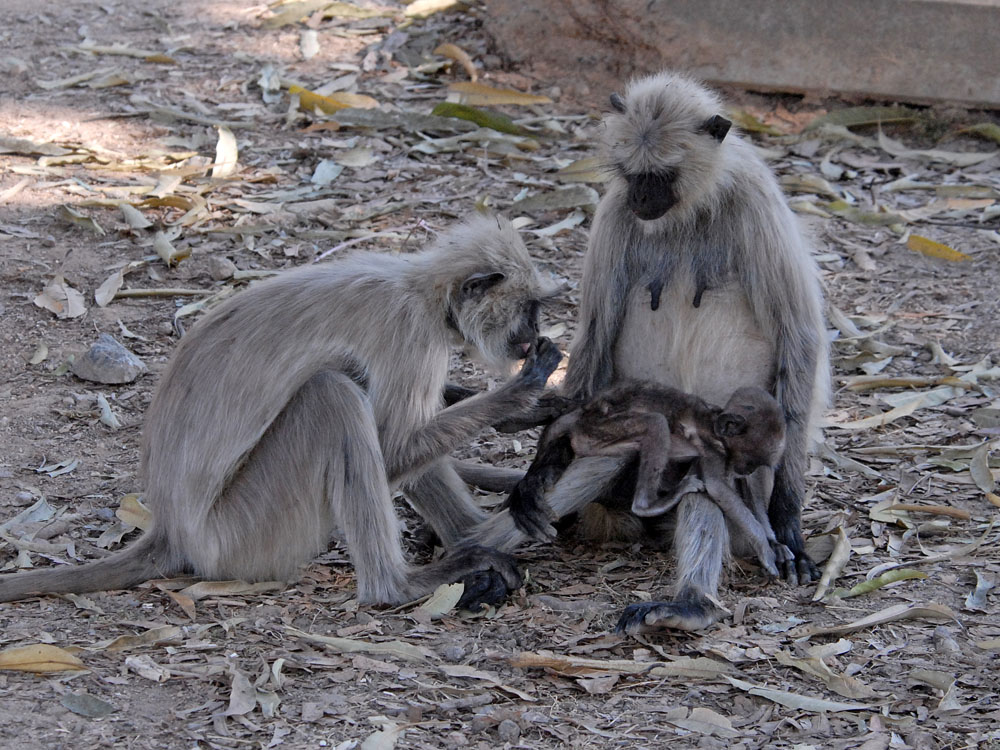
717 126
729 425
617 103
477 284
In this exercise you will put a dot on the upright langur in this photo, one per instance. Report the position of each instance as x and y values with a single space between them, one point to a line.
294 407
683 445
696 277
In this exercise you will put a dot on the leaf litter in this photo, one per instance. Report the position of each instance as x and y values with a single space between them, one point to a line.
423 126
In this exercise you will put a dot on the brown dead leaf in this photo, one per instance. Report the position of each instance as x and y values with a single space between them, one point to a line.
62 299
890 614
573 666
459 55
132 511
40 658
848 687
835 565
598 685
310 101
204 589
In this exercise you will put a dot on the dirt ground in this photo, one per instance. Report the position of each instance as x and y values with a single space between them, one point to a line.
116 102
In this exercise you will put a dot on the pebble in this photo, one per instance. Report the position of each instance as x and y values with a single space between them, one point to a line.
221 268
509 731
107 361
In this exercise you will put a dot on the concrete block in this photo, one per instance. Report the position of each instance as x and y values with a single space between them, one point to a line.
900 50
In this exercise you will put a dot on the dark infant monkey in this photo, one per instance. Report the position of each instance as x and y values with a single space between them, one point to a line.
683 444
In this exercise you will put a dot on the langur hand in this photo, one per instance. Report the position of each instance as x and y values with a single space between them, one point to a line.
541 361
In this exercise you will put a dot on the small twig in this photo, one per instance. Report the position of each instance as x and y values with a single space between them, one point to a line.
168 292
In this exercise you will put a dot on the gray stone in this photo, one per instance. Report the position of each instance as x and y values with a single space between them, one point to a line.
107 361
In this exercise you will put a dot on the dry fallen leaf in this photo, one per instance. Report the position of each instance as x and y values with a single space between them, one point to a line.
575 666
835 565
933 249
40 658
459 55
133 512
479 95
442 601
350 645
890 614
310 101
62 299
226 155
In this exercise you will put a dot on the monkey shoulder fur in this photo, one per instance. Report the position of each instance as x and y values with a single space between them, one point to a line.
681 443
293 408
696 277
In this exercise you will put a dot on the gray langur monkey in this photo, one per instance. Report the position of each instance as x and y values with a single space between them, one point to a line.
682 445
294 407
696 277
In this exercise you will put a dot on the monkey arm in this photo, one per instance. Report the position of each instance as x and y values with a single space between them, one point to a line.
789 306
602 300
452 426
736 511
526 503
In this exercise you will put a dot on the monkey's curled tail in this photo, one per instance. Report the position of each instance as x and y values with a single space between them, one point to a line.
150 557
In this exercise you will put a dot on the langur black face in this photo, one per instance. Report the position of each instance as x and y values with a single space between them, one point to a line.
648 135
651 195
752 428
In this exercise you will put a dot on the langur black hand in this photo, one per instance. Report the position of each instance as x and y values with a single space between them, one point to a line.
542 360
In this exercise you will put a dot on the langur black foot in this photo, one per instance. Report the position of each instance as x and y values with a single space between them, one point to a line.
483 587
680 614
767 559
494 575
782 556
797 567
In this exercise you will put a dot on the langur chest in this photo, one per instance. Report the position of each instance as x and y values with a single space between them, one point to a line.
709 350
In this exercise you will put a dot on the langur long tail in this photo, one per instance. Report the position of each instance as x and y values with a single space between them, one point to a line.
150 557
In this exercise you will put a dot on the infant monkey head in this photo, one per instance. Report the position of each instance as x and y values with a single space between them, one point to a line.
752 429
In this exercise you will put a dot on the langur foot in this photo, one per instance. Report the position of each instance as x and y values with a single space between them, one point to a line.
680 614
767 557
493 576
782 555
484 587
798 568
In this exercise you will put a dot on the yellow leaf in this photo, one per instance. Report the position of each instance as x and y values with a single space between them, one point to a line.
459 55
310 101
40 657
934 249
424 8
133 512
479 94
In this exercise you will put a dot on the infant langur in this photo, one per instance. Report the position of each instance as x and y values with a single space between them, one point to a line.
684 445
